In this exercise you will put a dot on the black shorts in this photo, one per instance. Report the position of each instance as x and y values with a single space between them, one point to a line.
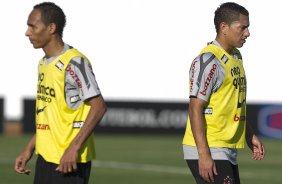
227 172
45 173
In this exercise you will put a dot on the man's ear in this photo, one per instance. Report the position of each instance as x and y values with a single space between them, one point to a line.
52 28
224 28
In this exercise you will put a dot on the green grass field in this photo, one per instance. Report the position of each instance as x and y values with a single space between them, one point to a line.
144 159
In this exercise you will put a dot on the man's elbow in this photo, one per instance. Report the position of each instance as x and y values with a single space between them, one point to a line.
103 109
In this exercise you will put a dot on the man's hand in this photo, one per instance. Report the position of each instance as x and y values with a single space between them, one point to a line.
24 157
68 162
207 169
257 147
21 161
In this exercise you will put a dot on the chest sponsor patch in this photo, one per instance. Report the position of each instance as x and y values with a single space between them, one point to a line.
74 99
207 110
78 124
60 65
224 59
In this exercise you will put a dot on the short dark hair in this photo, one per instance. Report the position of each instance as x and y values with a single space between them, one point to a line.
52 13
228 12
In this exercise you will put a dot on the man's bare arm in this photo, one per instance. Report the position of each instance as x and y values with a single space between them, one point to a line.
207 167
68 162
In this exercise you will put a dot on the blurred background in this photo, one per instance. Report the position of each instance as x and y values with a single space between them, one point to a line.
141 53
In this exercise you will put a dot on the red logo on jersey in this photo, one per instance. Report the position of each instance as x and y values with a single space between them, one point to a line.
208 80
42 126
241 118
193 75
74 76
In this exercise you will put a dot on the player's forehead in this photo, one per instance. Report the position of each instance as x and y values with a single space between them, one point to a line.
34 18
243 21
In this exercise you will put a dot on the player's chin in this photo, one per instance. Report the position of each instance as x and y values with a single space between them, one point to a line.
239 45
242 42
36 45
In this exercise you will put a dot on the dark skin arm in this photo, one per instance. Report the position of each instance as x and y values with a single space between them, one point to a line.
24 157
207 168
255 144
68 162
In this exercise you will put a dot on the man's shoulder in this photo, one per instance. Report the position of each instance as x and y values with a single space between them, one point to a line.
73 54
207 58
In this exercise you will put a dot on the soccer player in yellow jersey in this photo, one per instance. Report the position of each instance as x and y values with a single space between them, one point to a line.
216 125
69 104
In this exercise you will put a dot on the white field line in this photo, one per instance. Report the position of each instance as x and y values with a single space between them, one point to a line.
175 169
265 176
142 167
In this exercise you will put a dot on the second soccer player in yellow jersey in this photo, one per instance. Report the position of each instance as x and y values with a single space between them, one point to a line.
216 125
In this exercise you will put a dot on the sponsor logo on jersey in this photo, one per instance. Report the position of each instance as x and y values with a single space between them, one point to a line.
74 76
224 59
74 99
239 118
40 110
60 65
208 110
192 75
42 126
235 71
78 124
239 82
208 80
44 92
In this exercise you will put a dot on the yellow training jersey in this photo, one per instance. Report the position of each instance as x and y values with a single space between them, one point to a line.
56 123
225 113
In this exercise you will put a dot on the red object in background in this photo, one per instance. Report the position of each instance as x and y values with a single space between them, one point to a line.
276 121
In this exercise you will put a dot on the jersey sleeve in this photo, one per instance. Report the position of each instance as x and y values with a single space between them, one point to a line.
206 75
80 82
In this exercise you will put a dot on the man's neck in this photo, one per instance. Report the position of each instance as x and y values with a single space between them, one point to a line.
54 48
224 45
